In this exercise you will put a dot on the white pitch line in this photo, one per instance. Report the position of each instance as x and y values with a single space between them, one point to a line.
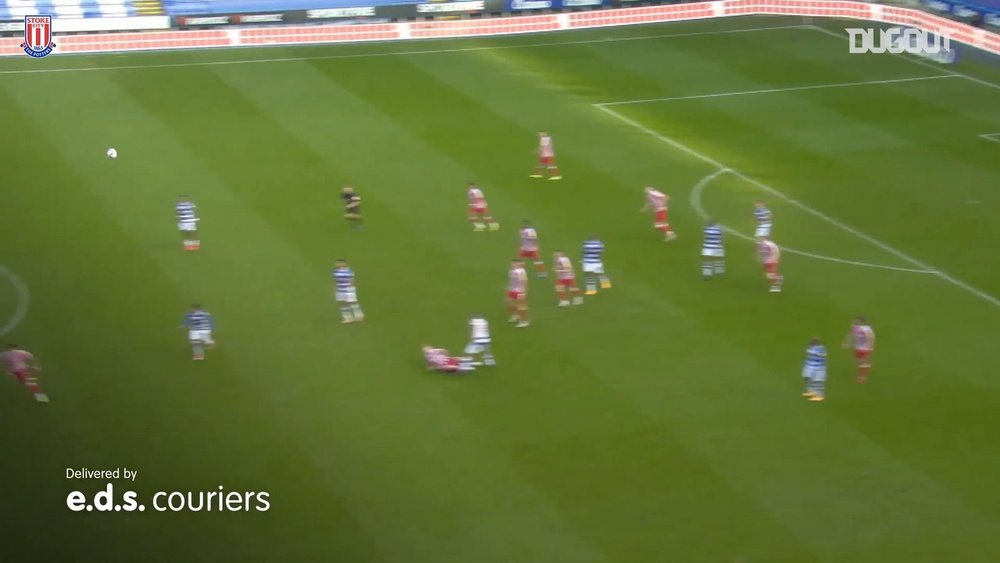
23 301
787 89
995 137
913 60
705 158
396 53
700 210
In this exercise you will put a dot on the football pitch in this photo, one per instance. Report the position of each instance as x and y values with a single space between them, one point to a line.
659 421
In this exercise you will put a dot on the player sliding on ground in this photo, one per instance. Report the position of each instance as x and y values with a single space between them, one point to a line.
566 280
658 202
517 293
200 325
479 213
21 364
713 254
439 360
814 371
187 222
769 254
346 294
593 265
546 158
530 249
862 337
479 341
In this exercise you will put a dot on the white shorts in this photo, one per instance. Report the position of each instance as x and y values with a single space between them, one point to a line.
188 226
347 296
713 252
763 230
593 267
204 336
814 374
477 347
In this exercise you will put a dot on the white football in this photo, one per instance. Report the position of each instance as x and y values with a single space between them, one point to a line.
112 153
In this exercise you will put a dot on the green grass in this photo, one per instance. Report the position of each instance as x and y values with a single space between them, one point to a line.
661 421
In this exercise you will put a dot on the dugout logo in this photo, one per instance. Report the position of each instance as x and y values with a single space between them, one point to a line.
38 36
897 40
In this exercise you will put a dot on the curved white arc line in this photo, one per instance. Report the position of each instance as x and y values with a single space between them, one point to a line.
700 210
23 301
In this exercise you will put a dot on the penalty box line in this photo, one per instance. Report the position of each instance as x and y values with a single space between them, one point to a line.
699 208
812 211
778 90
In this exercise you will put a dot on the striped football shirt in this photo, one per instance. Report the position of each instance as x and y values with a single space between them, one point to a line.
592 251
199 320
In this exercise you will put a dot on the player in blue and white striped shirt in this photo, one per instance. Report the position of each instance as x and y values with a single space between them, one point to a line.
200 325
814 371
187 222
713 254
762 215
346 294
593 265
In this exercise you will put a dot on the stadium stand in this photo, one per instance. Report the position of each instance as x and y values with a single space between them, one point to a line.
16 9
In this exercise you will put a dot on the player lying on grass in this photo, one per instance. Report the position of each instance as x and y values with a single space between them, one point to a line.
21 364
546 158
479 212
658 202
438 359
187 222
814 371
200 325
352 206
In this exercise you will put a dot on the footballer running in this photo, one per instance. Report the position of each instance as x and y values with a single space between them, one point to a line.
479 213
658 202
187 222
546 158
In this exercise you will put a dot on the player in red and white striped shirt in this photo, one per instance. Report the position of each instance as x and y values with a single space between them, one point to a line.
565 280
769 254
21 364
658 201
546 158
479 213
862 339
517 293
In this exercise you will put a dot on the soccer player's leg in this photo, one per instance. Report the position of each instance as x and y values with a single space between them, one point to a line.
807 383
488 219
562 293
539 266
818 385
554 171
574 292
29 379
197 345
719 265
356 309
476 218
590 279
539 169
706 265
522 312
864 365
